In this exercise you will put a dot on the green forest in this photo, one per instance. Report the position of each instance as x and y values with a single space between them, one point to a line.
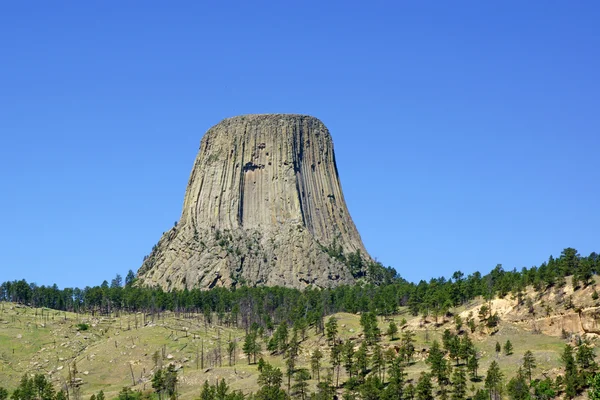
277 320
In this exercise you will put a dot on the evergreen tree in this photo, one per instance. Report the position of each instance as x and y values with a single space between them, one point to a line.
424 387
459 384
270 380
543 389
281 337
436 361
593 392
392 330
378 361
466 349
529 363
158 383
517 387
481 394
300 387
315 363
585 358
395 389
571 378
407 346
291 358
458 323
348 358
472 325
222 391
331 329
208 392
325 389
493 381
336 356
251 346
130 278
362 360
371 389
368 321
231 348
447 339
170 381
508 348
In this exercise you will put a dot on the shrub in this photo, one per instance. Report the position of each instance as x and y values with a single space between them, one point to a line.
83 327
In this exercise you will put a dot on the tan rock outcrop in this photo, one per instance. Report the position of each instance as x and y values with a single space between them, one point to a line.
262 205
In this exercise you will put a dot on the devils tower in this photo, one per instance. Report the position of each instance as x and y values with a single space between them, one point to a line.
263 206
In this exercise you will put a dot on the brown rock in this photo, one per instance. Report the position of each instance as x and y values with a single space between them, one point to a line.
262 205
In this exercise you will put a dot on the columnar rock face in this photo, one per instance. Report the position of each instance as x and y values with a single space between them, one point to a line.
262 207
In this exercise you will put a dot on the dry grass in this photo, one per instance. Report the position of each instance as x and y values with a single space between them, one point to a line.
36 341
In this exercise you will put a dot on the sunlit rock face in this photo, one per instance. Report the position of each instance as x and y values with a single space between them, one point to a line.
262 205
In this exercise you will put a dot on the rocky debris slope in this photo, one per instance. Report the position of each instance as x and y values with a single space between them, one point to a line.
263 206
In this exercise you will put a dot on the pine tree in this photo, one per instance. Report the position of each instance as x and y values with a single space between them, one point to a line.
493 381
348 357
251 346
517 387
508 348
458 323
325 389
336 360
436 361
378 361
459 384
362 360
248 346
571 379
231 348
270 380
208 392
281 335
397 375
585 358
221 391
407 346
424 387
529 363
158 383
392 330
331 330
300 387
315 363
473 366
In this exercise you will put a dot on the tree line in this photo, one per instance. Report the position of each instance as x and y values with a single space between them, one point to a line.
272 305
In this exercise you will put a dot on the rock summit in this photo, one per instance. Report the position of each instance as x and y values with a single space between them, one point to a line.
263 206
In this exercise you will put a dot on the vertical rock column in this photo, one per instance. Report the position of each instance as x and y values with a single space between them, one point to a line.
263 200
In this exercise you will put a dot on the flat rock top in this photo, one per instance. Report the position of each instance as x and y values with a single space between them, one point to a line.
267 118
253 117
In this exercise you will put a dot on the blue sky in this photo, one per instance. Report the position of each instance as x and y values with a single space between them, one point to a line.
466 133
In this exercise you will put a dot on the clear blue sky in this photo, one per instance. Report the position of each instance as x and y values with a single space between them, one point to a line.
467 133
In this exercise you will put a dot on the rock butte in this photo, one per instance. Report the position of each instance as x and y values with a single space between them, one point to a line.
262 205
